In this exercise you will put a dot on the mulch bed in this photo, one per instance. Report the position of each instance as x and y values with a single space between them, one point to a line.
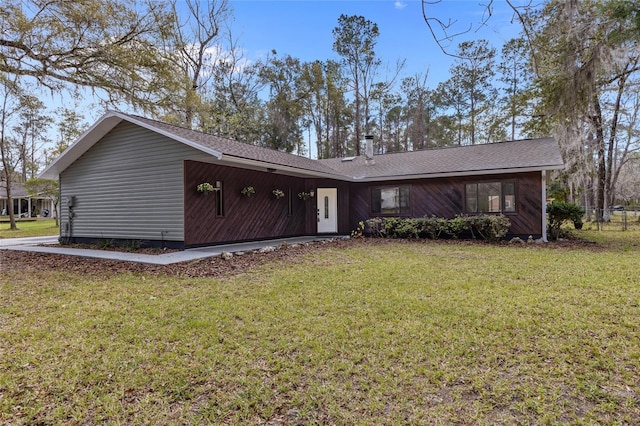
26 262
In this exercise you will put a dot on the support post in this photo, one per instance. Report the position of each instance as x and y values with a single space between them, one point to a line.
544 206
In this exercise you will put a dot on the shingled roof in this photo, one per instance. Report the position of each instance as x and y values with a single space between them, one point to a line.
515 156
240 150
502 157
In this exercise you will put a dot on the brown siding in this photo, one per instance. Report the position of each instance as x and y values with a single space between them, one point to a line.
444 197
260 216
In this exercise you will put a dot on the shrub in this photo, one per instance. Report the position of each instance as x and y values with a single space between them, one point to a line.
560 212
488 227
375 227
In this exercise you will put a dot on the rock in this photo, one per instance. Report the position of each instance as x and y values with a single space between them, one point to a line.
530 239
267 249
226 255
516 240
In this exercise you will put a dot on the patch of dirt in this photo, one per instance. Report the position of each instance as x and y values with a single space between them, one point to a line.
219 267
26 262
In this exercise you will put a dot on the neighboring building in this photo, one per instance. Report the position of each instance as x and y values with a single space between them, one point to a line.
24 205
131 178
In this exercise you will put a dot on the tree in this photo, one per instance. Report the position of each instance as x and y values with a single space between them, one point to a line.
232 107
9 107
284 108
325 106
584 71
354 40
194 47
472 75
424 128
108 46
31 129
70 126
390 121
451 103
515 75
45 188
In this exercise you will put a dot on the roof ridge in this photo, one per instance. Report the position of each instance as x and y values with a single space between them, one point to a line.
442 148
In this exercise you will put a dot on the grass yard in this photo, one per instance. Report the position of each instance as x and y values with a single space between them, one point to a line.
384 333
36 228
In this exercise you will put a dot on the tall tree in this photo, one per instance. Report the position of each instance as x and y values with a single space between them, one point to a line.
195 46
8 108
584 69
233 107
420 113
31 130
355 38
108 46
325 106
451 103
284 108
473 74
516 76
70 126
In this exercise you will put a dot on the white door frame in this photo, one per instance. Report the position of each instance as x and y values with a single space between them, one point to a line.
327 210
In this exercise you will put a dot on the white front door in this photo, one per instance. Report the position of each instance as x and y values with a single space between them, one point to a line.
327 200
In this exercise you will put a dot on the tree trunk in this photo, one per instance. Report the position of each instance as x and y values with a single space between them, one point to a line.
596 119
612 139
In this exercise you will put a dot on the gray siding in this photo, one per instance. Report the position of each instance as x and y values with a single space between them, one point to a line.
129 185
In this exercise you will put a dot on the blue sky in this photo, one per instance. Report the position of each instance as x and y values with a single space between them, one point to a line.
303 29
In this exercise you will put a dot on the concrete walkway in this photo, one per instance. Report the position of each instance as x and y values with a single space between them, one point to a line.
34 244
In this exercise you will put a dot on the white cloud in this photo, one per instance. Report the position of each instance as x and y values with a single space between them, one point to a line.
399 4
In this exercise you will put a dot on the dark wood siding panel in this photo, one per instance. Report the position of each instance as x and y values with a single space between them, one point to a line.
444 197
529 204
260 216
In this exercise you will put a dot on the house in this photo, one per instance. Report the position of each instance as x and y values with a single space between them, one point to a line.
24 204
132 178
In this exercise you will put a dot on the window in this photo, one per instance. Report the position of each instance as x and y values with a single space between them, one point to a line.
326 207
391 200
490 197
218 192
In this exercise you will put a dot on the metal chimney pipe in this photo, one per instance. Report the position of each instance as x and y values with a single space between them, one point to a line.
368 152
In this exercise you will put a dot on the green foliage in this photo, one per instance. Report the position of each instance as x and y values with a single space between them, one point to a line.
105 243
132 245
359 231
560 212
56 44
487 227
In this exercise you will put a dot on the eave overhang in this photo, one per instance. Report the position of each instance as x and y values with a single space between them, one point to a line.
478 172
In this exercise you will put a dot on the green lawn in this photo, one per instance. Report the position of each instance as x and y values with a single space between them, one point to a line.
397 333
36 228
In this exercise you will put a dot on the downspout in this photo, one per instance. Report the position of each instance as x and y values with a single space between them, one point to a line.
544 206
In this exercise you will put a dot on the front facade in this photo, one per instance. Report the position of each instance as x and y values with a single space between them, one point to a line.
130 178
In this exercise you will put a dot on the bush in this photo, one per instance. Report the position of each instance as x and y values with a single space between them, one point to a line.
560 212
487 227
